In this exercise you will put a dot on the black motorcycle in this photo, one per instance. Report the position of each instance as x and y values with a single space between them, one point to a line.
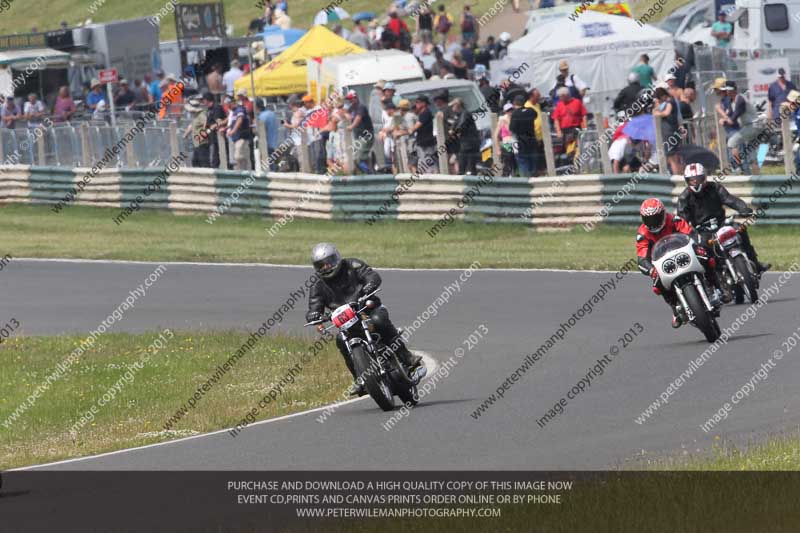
735 271
376 364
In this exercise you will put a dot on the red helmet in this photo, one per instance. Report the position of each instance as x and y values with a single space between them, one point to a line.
653 214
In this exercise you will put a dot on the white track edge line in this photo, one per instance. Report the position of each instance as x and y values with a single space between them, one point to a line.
431 363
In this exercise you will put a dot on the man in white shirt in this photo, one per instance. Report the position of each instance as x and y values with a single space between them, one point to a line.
230 77
572 80
33 110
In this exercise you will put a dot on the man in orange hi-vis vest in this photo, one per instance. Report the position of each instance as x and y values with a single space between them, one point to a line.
172 97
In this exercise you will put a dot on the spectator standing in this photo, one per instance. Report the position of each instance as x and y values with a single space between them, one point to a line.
742 117
425 24
335 144
460 66
200 143
171 97
721 30
230 77
141 97
10 114
125 97
403 128
33 110
155 86
645 72
569 114
491 94
521 125
534 102
469 139
628 96
214 81
64 107
427 161
506 139
469 26
215 119
270 120
777 94
666 107
443 23
363 132
359 36
573 82
239 135
96 95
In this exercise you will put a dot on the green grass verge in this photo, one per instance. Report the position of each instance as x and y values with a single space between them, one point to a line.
89 232
774 454
142 404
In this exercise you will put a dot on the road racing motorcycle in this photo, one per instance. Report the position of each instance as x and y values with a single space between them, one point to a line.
681 271
376 364
736 272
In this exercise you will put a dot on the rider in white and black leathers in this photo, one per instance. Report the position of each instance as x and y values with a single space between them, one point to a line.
704 200
346 280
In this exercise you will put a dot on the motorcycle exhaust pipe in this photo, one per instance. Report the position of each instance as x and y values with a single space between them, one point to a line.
686 308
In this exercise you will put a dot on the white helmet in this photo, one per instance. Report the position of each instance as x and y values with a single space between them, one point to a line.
505 37
695 176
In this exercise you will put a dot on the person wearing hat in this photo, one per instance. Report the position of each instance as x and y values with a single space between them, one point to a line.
240 134
522 126
200 143
777 94
362 129
644 71
230 77
96 95
9 114
124 97
388 124
215 120
469 139
721 30
576 85
741 119
503 134
427 160
389 91
171 97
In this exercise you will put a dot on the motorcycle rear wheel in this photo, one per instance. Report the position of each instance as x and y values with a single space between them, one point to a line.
377 389
749 286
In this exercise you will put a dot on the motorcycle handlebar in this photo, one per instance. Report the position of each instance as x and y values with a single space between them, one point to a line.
326 317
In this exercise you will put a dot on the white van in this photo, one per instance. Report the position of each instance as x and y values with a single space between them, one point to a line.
359 72
466 90
763 24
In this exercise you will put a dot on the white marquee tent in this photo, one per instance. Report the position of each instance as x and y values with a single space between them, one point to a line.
601 49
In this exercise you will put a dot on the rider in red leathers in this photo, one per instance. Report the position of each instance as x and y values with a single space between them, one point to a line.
657 223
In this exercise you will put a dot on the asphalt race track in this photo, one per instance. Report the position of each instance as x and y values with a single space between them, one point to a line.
520 309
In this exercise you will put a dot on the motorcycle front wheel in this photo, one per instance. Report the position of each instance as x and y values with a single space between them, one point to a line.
376 387
704 320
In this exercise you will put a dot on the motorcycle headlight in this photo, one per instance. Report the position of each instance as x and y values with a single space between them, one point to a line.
683 260
669 266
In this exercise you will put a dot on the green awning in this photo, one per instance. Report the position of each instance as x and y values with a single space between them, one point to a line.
34 57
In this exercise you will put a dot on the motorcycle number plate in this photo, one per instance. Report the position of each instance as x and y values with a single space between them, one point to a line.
343 317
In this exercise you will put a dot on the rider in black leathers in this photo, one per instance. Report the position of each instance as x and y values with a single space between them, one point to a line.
345 280
704 200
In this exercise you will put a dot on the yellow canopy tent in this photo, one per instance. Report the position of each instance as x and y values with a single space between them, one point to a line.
286 74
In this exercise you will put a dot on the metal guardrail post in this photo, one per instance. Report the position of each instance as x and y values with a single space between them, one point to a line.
223 150
347 149
130 155
263 152
722 136
495 140
547 138
440 143
602 145
786 133
659 147
85 145
401 149
41 152
174 143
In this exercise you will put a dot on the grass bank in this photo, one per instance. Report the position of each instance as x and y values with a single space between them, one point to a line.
106 402
90 233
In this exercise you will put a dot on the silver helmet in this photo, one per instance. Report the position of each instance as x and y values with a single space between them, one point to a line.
326 259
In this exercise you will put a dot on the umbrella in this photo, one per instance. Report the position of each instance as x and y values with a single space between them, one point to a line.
691 153
330 15
641 128
363 15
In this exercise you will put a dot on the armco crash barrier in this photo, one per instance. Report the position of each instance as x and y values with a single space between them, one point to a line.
559 201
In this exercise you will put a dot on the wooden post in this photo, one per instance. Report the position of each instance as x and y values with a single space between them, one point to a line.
347 141
131 155
440 144
86 146
2 150
263 149
302 152
602 145
786 133
41 151
174 143
223 150
659 147
547 138
401 149
495 141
